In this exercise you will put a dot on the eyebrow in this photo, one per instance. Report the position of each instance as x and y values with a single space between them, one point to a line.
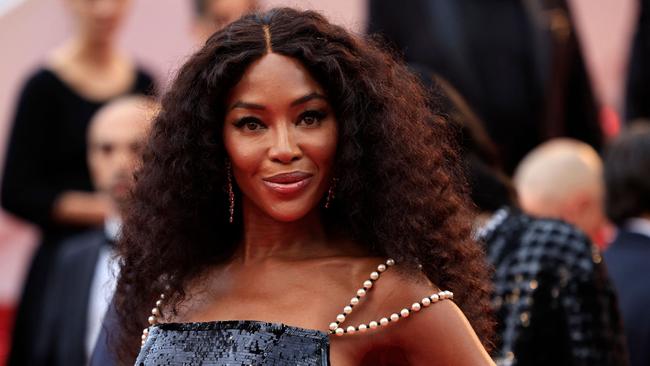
307 98
301 100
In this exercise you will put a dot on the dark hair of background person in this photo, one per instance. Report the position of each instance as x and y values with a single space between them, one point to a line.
517 63
489 186
400 183
627 174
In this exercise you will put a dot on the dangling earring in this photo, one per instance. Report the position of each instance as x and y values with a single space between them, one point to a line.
330 193
231 193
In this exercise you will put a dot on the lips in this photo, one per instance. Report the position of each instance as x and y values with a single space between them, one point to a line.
288 183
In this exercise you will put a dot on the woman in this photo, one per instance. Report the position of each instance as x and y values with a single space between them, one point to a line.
289 163
46 179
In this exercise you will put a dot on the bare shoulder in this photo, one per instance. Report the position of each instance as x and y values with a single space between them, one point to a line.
424 322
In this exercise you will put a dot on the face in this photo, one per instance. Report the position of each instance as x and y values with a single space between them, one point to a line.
280 134
219 13
115 142
99 20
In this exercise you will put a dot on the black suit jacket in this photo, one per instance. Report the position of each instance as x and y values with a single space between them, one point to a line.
62 340
628 261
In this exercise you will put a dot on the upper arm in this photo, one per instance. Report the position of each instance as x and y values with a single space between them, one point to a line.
438 334
441 335
26 191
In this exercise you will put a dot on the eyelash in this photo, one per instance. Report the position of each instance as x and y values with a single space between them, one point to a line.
317 115
241 123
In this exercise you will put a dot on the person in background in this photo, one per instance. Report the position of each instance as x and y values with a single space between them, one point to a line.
46 179
627 179
518 63
638 78
562 179
212 15
553 301
83 276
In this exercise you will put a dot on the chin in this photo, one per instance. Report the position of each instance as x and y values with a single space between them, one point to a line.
286 213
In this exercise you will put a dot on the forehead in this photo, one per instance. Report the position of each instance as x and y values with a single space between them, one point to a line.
274 79
123 123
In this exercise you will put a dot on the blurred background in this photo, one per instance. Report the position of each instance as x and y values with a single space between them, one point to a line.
523 98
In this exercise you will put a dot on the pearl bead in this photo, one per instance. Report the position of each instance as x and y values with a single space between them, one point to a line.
450 295
354 301
158 303
434 297
145 331
144 337
155 311
373 324
340 318
361 292
390 262
351 330
415 306
339 331
381 267
442 295
363 327
426 301
333 326
374 275
347 309
383 321
367 284
162 296
152 320
394 317
405 313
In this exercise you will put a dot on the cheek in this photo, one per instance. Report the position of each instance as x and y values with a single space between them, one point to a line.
245 154
321 148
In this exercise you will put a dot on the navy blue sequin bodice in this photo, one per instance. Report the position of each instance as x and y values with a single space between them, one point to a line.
235 343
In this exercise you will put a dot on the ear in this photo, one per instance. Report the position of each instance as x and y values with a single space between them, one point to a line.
576 208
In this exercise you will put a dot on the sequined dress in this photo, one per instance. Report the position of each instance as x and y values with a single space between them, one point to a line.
234 343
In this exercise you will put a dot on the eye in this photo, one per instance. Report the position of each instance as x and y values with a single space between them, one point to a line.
311 118
106 149
136 147
250 124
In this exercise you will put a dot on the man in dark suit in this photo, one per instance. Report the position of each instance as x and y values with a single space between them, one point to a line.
627 178
84 274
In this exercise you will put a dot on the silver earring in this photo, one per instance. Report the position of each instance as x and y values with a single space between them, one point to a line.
330 193
231 193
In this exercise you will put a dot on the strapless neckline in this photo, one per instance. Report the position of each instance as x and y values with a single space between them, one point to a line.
230 324
234 343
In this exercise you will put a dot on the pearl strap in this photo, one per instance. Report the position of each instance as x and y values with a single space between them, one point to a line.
337 329
153 318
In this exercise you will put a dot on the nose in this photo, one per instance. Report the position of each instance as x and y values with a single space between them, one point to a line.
285 148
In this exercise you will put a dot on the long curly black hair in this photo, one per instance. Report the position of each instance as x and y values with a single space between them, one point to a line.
400 191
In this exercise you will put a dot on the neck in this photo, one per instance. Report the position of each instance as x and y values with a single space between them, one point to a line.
92 52
266 238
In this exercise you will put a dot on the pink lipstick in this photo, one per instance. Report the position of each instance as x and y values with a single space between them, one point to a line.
288 183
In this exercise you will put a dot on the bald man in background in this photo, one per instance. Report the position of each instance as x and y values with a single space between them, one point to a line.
563 179
84 274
